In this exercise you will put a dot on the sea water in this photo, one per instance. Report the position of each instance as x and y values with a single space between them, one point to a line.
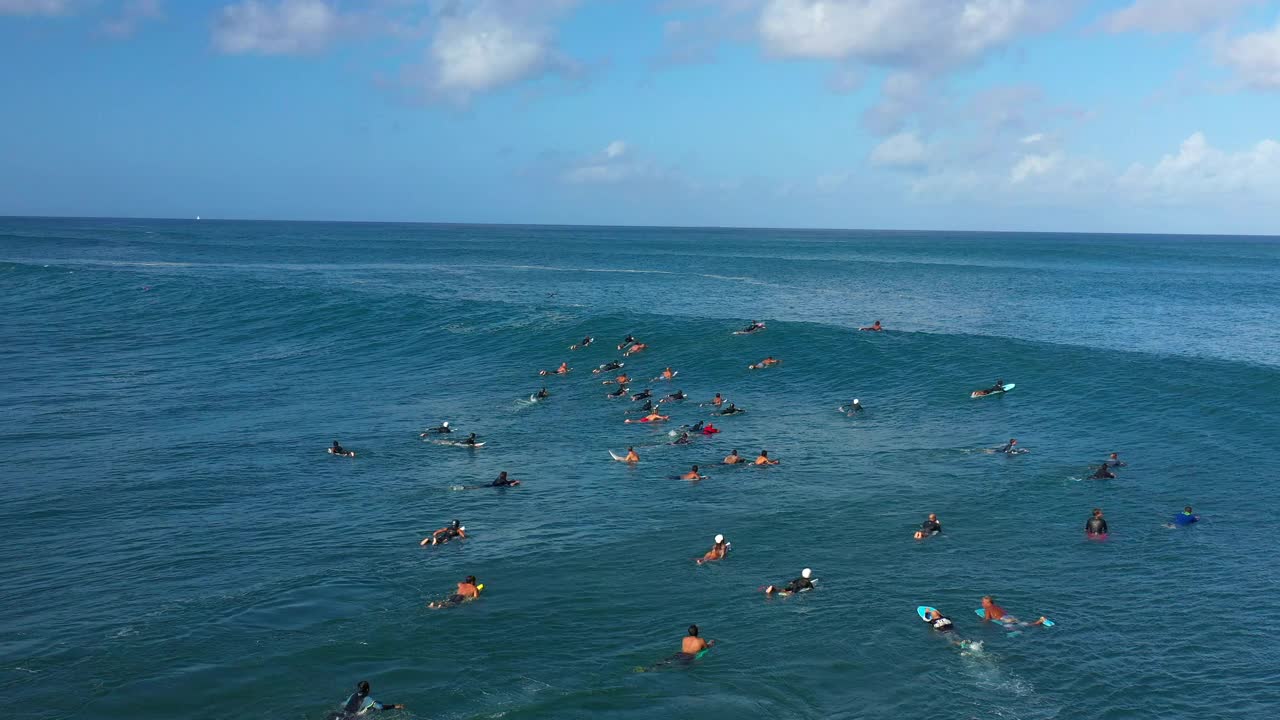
179 544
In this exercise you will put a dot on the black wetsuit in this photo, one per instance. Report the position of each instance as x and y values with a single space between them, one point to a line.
677 396
356 706
338 450
445 535
648 405
697 427
1008 448
941 623
930 527
440 430
611 365
731 410
797 585
542 394
619 392
1103 473
503 482
682 440
469 441
642 395
1096 526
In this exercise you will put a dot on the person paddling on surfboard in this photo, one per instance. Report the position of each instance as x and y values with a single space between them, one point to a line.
717 551
470 441
542 394
691 645
1008 448
632 456
937 620
755 326
621 391
673 397
767 362
1103 473
855 406
684 439
995 613
875 327
359 703
1114 460
929 527
468 590
562 370
693 474
800 584
733 458
650 418
626 341
638 347
503 481
339 450
642 395
444 429
716 401
731 410
611 365
763 459
1096 525
445 534
998 387
622 379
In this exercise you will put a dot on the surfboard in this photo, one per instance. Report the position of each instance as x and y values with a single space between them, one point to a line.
752 331
349 453
982 613
579 347
980 394
459 443
616 456
923 609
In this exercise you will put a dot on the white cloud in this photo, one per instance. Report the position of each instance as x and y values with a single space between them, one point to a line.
287 27
1032 166
902 150
1032 139
487 45
1199 171
1173 16
614 164
35 7
902 33
1256 58
132 15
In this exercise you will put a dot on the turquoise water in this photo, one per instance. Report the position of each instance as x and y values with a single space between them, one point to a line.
180 545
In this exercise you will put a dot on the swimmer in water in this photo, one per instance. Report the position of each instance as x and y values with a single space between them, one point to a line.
611 365
673 397
717 551
709 429
626 341
503 481
620 392
467 591
1096 525
445 534
755 326
442 430
929 527
638 347
874 327
994 613
647 407
650 418
471 440
855 407
562 370
693 475
731 410
542 394
642 395
716 401
359 703
1114 460
586 341
733 458
1103 473
667 374
1185 518
339 450
767 362
763 459
1008 448
691 645
622 379
800 584
941 623
683 439
632 456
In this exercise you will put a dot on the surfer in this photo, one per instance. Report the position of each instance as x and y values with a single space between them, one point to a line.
467 591
562 370
611 365
542 394
693 475
626 341
767 362
470 441
586 341
716 401
683 439
651 417
632 456
1008 448
677 395
709 429
1103 473
1096 525
691 645
763 459
642 395
621 391
731 410
755 326
502 481
874 327
855 407
622 379
359 703
445 534
1114 460
992 611
667 374
1185 518
733 458
442 430
647 407
638 347
937 620
998 387
717 551
800 584
339 450
929 527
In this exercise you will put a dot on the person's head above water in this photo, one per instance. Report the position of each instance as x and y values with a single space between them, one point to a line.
988 600
456 524
933 516
695 468
855 401
1097 512
764 453
335 443
693 631
1013 441
362 687
444 424
806 573
1187 510
719 539
1115 456
470 580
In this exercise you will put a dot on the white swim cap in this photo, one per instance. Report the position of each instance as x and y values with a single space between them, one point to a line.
719 538
806 573
446 423
855 401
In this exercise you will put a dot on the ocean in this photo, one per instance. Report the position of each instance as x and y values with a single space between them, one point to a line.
180 544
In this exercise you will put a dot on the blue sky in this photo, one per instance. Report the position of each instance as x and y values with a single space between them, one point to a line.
1103 115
